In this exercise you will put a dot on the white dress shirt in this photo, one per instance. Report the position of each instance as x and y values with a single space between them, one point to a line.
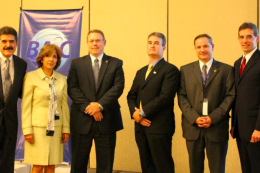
208 64
99 59
248 56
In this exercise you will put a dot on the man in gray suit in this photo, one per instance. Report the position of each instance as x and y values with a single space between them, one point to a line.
205 98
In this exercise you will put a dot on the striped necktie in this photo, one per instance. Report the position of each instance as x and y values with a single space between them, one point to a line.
7 80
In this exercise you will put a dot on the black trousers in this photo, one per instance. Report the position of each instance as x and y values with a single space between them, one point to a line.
216 153
155 152
81 146
7 151
249 154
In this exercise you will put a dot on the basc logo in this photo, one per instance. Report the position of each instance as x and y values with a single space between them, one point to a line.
46 36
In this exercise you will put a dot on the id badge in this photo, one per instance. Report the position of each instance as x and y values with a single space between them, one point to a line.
205 107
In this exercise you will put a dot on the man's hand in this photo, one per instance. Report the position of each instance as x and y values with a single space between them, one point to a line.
65 137
145 122
136 116
200 121
232 132
29 138
255 136
92 108
204 122
98 116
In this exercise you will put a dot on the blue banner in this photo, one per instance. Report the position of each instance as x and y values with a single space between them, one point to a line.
37 28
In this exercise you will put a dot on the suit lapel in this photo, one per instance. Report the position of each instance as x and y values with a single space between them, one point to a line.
213 71
89 69
237 68
197 72
104 64
154 71
250 63
1 87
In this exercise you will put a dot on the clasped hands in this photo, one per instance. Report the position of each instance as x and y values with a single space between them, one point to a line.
204 121
94 110
143 121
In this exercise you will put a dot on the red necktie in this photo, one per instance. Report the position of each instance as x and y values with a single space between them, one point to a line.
242 66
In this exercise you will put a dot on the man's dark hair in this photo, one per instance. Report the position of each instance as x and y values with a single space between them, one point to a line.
7 30
204 35
250 26
160 35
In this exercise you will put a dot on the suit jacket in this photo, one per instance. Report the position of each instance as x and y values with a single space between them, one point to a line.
220 91
157 94
246 114
35 102
81 88
8 110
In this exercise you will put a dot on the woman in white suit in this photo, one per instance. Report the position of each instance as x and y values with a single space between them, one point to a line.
45 112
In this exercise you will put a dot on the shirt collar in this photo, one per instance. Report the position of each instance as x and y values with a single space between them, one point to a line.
155 62
249 55
208 64
99 57
4 58
43 75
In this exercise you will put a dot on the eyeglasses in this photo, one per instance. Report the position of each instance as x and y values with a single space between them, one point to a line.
93 41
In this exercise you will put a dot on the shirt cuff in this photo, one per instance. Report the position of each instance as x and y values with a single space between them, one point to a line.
100 106
142 114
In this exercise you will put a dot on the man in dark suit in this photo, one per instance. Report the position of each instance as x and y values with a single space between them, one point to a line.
205 97
246 114
150 101
12 71
95 82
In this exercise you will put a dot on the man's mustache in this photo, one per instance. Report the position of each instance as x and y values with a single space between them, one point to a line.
8 48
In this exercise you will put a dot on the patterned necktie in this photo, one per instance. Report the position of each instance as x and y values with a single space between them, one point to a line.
242 66
96 71
7 80
204 72
150 67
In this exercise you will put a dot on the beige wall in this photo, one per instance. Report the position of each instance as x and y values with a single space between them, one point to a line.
126 24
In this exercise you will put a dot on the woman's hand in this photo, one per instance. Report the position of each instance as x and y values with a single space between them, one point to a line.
65 137
29 138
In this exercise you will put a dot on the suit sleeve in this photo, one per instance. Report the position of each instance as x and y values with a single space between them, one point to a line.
79 99
26 105
132 96
169 88
184 103
116 90
219 113
65 110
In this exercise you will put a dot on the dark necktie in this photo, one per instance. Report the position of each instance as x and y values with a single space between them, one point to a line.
7 80
204 72
96 71
242 66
